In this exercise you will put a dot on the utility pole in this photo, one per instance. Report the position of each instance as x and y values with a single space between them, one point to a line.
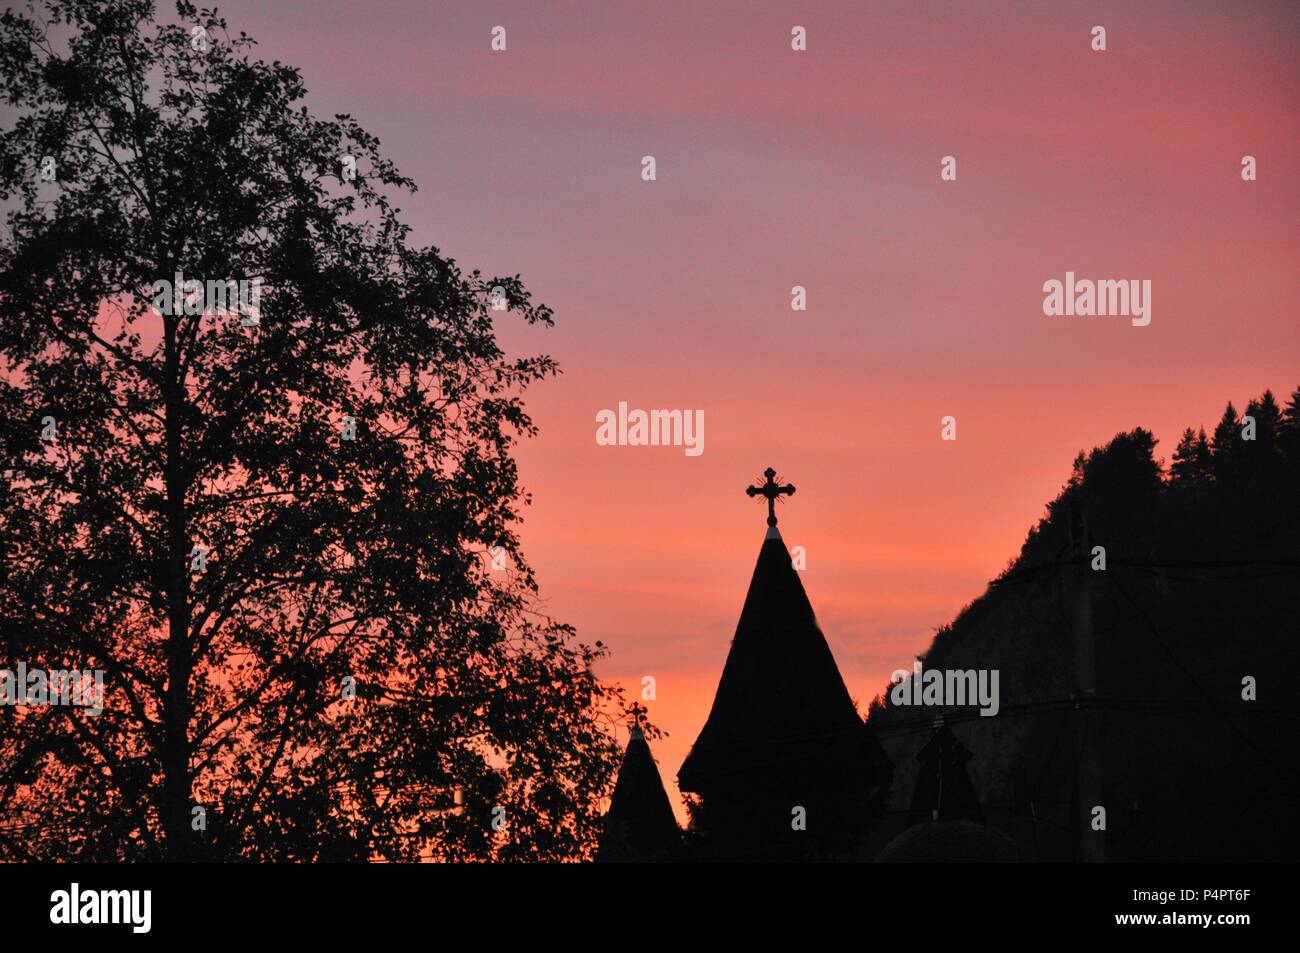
1092 843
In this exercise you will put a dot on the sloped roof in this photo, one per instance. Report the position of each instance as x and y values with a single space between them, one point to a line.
781 698
639 824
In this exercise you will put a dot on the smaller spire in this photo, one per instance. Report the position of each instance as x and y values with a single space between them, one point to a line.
637 713
639 825
944 790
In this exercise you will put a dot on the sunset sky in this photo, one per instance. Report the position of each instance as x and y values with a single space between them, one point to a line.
821 168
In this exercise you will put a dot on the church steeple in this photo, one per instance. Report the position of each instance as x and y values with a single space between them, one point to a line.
639 825
946 821
783 733
944 791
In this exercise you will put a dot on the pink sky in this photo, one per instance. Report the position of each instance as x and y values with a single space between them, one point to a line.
821 169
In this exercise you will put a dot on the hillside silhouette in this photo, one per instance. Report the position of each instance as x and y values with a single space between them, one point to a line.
1198 595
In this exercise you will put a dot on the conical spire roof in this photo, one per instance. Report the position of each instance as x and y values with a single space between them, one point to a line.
781 698
639 825
944 790
946 821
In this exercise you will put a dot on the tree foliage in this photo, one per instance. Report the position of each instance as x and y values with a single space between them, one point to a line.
324 557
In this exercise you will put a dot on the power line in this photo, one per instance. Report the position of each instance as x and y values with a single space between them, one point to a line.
1157 566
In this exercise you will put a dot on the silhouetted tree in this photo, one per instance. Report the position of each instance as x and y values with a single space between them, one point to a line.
1193 462
240 521
1226 443
1289 426
1260 454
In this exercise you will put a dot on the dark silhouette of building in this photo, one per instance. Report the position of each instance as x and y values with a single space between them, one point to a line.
784 768
949 842
639 826
944 791
947 822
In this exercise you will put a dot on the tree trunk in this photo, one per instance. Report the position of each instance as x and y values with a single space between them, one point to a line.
181 842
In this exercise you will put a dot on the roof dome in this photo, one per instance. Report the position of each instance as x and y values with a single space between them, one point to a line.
948 842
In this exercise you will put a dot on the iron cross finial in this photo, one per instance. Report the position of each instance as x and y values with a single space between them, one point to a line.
771 490
638 713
